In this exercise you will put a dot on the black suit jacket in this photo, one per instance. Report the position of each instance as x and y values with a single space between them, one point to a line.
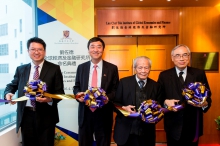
109 83
183 121
126 95
52 76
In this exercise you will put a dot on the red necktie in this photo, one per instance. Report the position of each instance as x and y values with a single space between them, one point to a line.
94 82
35 77
94 76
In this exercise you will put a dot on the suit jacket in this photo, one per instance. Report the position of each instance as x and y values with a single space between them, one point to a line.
52 76
109 83
184 121
126 95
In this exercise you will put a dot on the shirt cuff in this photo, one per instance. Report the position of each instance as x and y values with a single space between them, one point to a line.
50 103
204 107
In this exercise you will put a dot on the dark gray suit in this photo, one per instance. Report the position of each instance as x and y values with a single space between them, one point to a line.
126 95
46 115
182 123
104 116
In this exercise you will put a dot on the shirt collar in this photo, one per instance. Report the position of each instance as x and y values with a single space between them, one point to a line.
98 65
40 65
145 81
178 71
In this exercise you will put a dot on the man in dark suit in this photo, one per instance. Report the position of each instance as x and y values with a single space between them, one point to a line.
37 120
96 123
183 127
131 92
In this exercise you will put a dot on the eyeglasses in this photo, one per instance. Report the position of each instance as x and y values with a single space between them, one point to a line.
32 50
184 56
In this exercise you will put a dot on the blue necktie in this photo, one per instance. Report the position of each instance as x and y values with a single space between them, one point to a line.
141 83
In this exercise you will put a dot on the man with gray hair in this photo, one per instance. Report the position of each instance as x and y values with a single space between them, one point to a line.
183 127
131 92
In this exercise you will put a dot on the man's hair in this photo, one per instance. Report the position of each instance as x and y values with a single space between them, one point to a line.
141 57
36 40
181 45
96 39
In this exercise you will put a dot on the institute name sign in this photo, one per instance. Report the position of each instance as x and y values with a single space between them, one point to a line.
137 22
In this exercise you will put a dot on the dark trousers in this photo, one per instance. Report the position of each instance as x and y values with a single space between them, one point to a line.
180 142
33 135
94 127
136 140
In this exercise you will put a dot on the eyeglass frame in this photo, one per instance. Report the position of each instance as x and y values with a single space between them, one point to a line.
179 56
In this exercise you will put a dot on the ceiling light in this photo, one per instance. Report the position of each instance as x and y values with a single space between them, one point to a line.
168 0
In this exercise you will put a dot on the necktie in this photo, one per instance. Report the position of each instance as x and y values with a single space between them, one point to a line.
181 77
141 83
94 76
94 82
35 77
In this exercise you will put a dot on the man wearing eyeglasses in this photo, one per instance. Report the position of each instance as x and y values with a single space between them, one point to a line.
184 127
37 118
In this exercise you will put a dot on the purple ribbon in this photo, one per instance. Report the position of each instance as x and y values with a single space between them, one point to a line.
152 112
98 95
2 100
35 86
149 111
195 93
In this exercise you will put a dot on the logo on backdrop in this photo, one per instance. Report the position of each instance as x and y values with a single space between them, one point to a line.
66 34
66 38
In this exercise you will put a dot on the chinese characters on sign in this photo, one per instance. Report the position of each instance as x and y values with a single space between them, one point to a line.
67 58
141 25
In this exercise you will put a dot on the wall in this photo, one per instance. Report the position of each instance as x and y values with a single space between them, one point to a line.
200 30
9 137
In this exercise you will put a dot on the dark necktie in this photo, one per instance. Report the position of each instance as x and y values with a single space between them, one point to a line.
141 83
35 77
181 77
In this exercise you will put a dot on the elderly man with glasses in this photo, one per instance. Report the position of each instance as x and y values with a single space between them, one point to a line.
184 127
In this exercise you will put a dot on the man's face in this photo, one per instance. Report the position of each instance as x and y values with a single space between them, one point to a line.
96 50
181 57
36 52
142 68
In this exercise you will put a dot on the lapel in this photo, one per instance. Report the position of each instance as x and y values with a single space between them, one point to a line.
44 70
177 91
24 80
27 73
105 74
86 70
149 89
189 76
132 88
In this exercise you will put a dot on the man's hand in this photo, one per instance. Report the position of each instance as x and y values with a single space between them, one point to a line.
204 104
171 103
129 108
9 97
80 96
